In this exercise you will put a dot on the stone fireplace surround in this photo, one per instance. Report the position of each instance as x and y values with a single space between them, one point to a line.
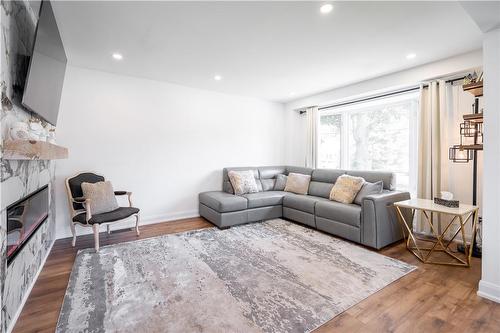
19 178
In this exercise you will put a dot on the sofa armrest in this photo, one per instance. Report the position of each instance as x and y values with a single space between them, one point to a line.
380 225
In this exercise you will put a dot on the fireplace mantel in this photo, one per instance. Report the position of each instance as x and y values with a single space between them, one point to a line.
33 150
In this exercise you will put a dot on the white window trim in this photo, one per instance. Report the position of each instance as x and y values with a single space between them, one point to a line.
344 111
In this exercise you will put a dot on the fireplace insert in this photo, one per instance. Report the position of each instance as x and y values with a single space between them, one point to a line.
24 217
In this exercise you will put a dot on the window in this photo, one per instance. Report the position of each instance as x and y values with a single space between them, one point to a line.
376 135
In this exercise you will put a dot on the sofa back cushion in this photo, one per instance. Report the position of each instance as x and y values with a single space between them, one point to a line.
302 170
268 176
322 181
226 184
388 178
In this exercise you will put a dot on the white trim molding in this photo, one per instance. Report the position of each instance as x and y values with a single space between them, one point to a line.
489 291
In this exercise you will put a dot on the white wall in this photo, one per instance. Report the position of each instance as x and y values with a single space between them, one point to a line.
164 142
296 124
489 286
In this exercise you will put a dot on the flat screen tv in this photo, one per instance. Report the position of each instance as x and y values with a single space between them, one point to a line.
44 82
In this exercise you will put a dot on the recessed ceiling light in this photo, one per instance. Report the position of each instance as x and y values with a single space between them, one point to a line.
217 77
326 8
117 56
411 56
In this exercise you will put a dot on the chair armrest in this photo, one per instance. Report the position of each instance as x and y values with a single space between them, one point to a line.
78 199
88 211
380 225
128 194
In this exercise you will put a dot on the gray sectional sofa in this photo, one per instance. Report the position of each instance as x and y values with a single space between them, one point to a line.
373 223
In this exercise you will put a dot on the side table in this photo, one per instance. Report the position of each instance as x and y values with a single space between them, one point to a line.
466 214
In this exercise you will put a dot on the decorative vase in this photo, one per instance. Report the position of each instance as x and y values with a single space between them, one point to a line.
36 130
51 136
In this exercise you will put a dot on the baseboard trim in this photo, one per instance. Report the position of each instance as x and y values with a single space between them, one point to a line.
489 291
13 322
152 219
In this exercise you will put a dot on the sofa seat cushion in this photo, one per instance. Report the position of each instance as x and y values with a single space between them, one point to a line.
301 202
263 199
340 212
223 202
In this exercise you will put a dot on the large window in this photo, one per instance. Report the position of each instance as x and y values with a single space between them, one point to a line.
375 135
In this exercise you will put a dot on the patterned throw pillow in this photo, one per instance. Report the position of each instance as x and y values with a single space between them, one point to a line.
346 188
101 195
297 183
243 182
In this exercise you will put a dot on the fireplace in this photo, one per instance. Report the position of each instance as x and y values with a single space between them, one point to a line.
24 217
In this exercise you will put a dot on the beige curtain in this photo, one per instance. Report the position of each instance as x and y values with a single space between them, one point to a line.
432 148
312 136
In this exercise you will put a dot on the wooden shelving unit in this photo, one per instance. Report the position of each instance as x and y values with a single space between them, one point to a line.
475 88
474 117
33 150
478 146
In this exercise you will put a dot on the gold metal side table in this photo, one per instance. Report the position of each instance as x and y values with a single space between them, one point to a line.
464 214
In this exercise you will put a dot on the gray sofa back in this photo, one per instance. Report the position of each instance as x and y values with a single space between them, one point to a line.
322 180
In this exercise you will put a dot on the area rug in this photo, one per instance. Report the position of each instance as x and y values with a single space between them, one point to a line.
273 276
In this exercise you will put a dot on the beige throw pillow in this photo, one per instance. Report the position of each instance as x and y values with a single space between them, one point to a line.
346 188
243 182
101 195
297 183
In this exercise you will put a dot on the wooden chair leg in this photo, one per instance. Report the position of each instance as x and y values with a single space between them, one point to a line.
73 231
137 225
96 236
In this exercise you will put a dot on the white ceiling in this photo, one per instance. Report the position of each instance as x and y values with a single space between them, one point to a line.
262 49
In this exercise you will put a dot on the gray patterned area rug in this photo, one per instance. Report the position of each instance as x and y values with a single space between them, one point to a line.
273 276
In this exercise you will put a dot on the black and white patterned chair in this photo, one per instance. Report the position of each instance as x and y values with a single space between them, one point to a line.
82 216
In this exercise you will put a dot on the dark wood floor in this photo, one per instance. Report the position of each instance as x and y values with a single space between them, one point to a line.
431 299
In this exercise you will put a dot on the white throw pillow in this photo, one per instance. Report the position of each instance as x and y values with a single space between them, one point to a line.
346 188
297 183
101 195
243 182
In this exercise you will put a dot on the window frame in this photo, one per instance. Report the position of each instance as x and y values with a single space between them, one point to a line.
346 110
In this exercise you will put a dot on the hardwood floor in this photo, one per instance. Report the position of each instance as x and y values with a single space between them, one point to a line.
432 299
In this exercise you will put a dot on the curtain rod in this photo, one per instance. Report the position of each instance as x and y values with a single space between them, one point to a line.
368 98
330 106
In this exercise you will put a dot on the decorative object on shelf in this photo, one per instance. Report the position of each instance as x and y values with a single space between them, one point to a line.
471 129
473 78
19 131
51 136
447 203
37 132
460 154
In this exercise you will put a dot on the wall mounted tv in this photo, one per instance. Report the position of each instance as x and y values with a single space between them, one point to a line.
44 82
